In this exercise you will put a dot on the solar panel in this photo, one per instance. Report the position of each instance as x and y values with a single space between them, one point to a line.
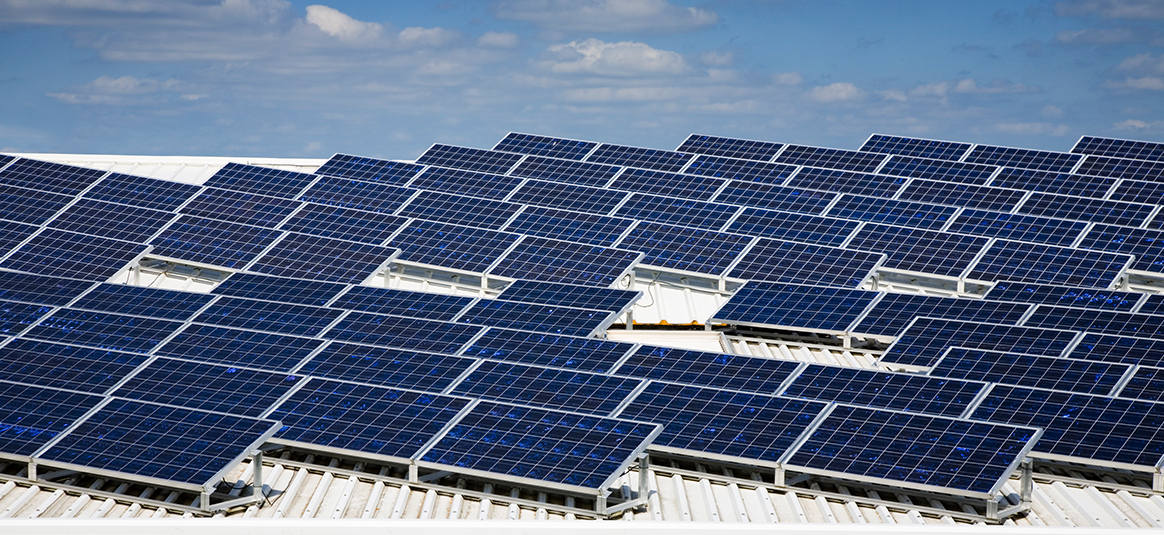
1153 304
926 339
672 184
404 333
730 147
1145 244
213 242
900 213
1121 168
570 295
452 246
357 195
848 160
838 181
30 206
1029 262
569 171
386 367
270 316
569 149
924 148
1120 148
1098 321
209 387
684 212
460 210
785 261
1069 296
685 249
32 416
15 317
558 261
312 257
795 227
466 182
952 193
775 197
62 253
925 251
369 169
1059 162
1145 384
13 234
1029 370
1017 227
723 423
544 387
570 226
241 207
548 446
892 314
568 197
1138 191
431 306
535 317
344 223
41 289
886 390
265 351
4 159
260 180
159 442
47 176
103 330
485 161
966 173
368 419
108 220
659 160
140 191
61 366
141 301
1064 183
541 349
735 372
1119 349
286 290
731 168
794 306
1084 209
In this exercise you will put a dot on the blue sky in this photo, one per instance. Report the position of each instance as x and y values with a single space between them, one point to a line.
388 79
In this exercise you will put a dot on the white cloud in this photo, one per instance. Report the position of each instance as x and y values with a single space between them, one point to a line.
617 16
716 59
426 37
115 91
838 92
788 78
1138 125
1113 9
1153 83
1051 112
1033 128
1144 63
498 39
1099 36
342 26
895 95
626 58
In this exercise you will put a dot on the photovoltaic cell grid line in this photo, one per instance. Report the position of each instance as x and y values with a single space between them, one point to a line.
265 351
369 169
345 193
42 289
1120 148
786 261
16 317
578 227
541 349
838 181
545 146
1068 296
260 180
489 186
1043 230
848 160
794 306
886 390
270 316
890 212
403 333
968 195
382 366
699 368
967 173
1059 162
731 168
423 305
12 234
1098 321
558 261
103 330
568 197
1146 244
535 317
570 295
684 212
671 184
209 241
241 207
926 251
730 147
924 342
75 368
1119 349
1029 262
576 391
312 257
1154 304
568 171
452 246
685 249
1146 384
140 301
1036 371
659 160
283 289
1083 209
30 206
892 314
795 227
460 210
32 416
924 148
144 192
1046 181
775 197
62 253
1122 168
344 223
485 161
51 177
108 220
210 387
1141 192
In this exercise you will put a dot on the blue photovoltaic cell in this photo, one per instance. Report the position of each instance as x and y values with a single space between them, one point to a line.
924 342
13 234
30 206
61 366
886 390
549 446
541 349
452 246
838 181
559 261
62 253
722 422
103 330
157 441
485 161
4 159
110 220
241 207
261 180
213 242
344 223
1154 304
554 147
141 301
544 387
900 213
795 306
1056 373
1145 384
369 169
775 197
685 212
1139 191
208 387
967 195
1068 296
1029 262
730 147
568 197
568 171
535 317
924 148
284 318
913 448
431 306
140 191
41 289
1063 183
404 333
466 183
767 173
460 210
659 160
1084 209
1121 168
15 317
358 195
46 176
848 160
1098 321
966 173
795 227
1018 227
925 251
287 290
32 416
1081 425
312 257
570 295
685 249
1120 148
1059 162
891 315
1119 349
265 351
671 184
1146 244
386 367
734 372
785 261
570 226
